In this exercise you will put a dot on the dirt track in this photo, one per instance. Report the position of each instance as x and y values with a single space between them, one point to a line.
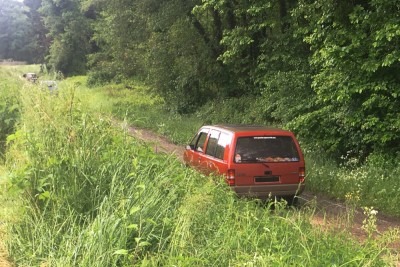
3 257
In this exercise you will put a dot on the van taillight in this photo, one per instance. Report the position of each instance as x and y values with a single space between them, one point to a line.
230 177
302 174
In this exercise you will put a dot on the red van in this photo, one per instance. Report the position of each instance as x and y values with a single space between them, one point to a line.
257 161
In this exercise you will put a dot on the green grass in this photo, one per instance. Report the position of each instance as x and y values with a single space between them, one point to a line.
9 104
95 196
141 108
374 183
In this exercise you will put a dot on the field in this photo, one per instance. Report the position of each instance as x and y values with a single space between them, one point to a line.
87 193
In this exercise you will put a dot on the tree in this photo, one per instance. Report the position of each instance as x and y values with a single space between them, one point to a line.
159 42
71 32
14 29
262 54
39 42
357 63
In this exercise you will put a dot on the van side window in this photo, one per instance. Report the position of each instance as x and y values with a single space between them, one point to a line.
217 143
223 141
194 141
212 143
201 140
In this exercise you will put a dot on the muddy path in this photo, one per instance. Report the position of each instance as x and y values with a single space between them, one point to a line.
4 257
330 214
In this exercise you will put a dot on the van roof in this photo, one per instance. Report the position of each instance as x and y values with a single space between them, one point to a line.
246 128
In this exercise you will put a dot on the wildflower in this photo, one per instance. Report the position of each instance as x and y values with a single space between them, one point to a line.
373 212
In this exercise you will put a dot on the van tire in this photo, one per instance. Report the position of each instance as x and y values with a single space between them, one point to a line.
292 200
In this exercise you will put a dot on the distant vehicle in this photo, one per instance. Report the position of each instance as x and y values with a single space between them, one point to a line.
30 76
51 85
256 161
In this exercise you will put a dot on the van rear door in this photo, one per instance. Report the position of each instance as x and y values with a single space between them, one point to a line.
262 160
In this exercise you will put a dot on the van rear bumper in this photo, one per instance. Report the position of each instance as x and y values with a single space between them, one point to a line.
265 191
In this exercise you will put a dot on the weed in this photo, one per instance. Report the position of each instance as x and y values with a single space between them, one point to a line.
369 223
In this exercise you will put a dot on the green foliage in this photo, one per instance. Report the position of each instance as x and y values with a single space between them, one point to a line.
186 77
244 27
327 70
14 28
141 107
71 32
159 43
39 42
247 110
373 183
356 81
118 34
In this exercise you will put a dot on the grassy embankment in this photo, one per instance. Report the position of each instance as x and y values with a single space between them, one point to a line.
94 196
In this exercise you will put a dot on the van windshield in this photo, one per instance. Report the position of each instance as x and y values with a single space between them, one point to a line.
265 149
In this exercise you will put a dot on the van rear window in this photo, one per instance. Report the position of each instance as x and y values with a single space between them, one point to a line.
265 149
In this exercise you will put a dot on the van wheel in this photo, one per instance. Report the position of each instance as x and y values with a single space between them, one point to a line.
292 200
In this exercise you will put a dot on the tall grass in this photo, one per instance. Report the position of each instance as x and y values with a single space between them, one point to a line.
373 183
94 196
142 108
9 104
